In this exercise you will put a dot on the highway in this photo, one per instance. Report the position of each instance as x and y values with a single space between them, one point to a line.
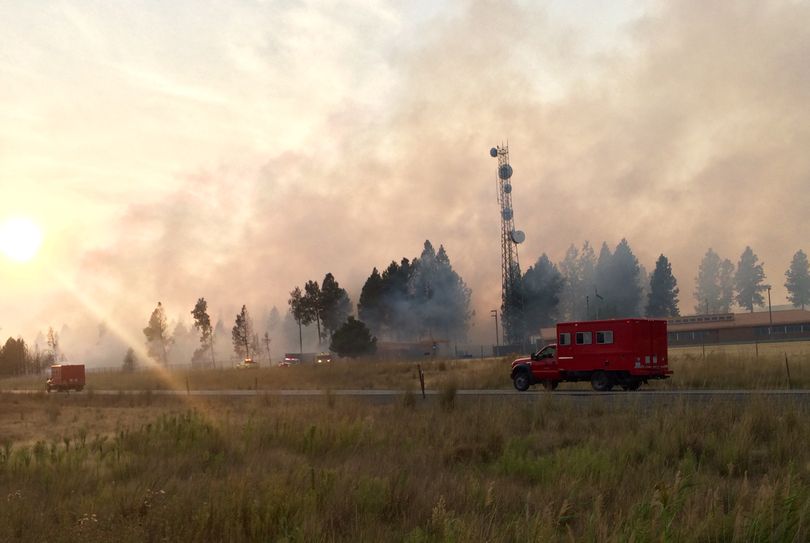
803 394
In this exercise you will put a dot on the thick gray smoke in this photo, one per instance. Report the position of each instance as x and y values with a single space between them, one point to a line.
692 135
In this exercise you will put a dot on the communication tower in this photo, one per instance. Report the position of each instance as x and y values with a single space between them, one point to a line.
511 295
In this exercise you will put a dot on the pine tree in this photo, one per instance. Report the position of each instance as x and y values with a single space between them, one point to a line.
13 357
707 284
542 285
369 306
587 274
626 292
748 281
572 284
798 280
726 286
242 334
298 312
313 307
439 296
353 339
336 305
157 335
202 322
130 361
662 300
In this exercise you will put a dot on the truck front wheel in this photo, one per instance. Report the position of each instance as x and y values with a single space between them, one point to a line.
522 381
601 381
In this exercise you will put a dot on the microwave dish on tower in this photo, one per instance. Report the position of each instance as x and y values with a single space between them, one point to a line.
511 276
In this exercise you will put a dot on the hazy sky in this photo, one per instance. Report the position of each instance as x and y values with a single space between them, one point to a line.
233 150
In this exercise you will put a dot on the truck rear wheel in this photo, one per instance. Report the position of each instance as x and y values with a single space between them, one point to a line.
522 381
631 385
601 381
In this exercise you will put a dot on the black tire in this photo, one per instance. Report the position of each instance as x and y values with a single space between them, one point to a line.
550 385
522 380
601 381
631 385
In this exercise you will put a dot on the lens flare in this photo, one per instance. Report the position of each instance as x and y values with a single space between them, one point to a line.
20 239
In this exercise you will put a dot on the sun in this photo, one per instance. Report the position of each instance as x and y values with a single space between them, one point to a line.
20 239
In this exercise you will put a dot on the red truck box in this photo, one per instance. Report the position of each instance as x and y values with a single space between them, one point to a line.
623 352
66 377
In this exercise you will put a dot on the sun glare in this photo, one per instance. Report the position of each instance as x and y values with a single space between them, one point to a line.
20 239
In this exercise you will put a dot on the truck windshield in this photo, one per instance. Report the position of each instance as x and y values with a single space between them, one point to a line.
548 352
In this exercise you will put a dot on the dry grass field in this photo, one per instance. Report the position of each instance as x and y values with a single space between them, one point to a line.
148 467
724 367
151 468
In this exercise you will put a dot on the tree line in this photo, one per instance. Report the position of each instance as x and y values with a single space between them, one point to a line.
18 358
424 297
613 284
415 299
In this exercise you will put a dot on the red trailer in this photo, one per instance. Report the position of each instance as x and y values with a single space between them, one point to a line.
623 352
66 377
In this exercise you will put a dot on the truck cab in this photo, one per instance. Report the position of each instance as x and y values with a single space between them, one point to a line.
608 353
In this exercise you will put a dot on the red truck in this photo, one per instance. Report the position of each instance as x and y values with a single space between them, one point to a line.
623 352
66 377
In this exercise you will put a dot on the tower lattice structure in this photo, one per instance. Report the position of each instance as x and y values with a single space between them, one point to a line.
511 292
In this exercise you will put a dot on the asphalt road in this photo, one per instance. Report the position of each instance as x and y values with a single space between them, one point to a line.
372 393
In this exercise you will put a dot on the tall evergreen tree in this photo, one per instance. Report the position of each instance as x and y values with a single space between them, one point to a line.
440 297
542 285
798 280
313 306
644 278
157 335
298 312
726 286
618 292
202 322
714 284
369 307
748 281
242 334
587 274
335 302
13 357
572 284
130 361
399 317
603 270
707 284
662 300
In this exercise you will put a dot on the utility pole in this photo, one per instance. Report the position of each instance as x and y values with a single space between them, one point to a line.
267 346
770 313
494 313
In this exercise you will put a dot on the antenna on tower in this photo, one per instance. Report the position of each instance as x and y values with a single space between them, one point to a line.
511 294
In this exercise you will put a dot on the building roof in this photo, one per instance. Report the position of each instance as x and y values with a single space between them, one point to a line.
720 320
737 320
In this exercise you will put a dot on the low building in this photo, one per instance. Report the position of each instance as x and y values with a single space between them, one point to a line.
793 324
760 326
